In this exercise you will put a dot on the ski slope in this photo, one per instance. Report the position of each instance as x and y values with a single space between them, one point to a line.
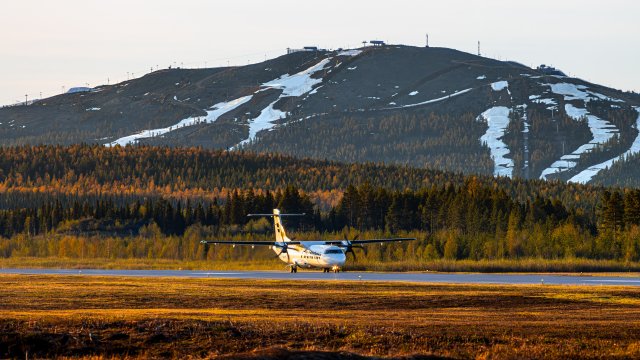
497 119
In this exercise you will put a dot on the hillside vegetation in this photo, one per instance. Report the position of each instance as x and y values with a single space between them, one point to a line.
624 173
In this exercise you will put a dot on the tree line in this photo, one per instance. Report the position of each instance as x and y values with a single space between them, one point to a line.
171 217
471 221
30 175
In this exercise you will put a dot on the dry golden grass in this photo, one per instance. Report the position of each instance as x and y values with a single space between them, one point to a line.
137 264
270 263
105 317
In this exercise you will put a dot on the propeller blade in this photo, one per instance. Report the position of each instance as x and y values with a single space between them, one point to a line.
285 249
359 247
350 250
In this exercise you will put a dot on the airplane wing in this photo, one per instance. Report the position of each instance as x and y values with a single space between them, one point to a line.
251 243
327 242
367 241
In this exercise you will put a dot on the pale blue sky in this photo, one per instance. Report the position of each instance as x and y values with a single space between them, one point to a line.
46 44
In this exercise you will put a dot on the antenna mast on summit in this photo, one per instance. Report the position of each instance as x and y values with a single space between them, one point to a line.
427 40
478 48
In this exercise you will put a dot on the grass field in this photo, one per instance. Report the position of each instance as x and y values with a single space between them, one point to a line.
105 317
271 263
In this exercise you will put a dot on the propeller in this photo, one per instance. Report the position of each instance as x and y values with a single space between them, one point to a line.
349 246
284 249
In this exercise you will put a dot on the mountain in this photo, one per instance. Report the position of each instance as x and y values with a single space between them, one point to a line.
426 107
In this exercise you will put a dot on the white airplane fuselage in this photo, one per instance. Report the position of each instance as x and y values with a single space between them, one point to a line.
311 254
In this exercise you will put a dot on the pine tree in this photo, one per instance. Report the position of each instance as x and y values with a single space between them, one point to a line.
612 213
238 214
632 208
514 245
393 219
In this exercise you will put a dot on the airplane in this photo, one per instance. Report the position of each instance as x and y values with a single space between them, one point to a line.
329 255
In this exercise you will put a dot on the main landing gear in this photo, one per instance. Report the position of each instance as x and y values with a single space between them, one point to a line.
334 269
294 269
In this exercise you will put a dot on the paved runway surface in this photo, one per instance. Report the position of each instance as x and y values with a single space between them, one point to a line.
370 276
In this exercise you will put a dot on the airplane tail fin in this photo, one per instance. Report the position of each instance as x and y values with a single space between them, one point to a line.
281 235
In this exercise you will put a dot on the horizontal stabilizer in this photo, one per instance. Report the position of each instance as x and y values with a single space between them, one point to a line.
367 241
252 243
258 215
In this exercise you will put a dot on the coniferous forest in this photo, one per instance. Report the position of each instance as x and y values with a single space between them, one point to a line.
90 201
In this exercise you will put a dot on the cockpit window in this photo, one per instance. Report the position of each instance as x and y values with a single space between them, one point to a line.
333 251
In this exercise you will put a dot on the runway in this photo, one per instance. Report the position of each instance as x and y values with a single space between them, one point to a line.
444 278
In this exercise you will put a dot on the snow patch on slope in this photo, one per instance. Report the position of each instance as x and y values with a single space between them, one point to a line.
264 121
570 91
578 92
297 84
314 91
433 100
565 163
350 53
499 85
601 130
292 86
497 119
544 101
78 89
587 175
212 115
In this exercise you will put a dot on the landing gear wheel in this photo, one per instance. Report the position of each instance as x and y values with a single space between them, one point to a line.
294 269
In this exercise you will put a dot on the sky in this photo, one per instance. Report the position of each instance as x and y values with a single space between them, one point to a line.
49 46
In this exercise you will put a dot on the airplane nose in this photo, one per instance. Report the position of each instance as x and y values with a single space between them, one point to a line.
335 259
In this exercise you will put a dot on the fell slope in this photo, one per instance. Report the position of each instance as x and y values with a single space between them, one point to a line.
433 107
